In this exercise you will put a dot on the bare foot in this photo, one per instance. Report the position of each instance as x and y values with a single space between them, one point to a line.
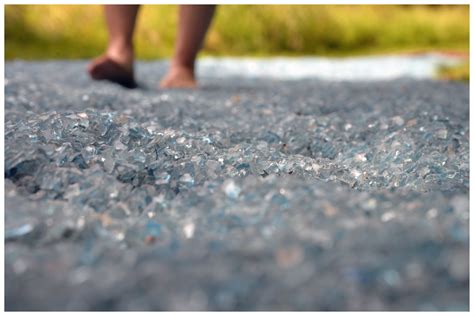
106 68
179 77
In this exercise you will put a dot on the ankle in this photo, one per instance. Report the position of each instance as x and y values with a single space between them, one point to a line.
179 66
121 53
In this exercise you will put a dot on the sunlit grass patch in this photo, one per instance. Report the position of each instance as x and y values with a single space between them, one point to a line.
459 72
73 31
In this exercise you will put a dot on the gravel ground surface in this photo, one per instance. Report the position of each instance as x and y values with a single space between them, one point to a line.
245 194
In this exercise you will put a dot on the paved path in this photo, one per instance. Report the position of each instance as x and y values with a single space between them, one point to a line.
242 195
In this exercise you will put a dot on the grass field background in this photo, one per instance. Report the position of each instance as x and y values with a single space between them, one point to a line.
78 31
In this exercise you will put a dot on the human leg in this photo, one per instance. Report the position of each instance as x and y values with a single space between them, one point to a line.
194 21
116 64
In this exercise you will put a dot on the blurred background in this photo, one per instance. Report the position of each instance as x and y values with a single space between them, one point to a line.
78 31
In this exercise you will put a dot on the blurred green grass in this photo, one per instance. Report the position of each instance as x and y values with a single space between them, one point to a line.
78 31
459 72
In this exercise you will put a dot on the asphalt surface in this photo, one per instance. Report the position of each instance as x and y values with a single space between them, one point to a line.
245 194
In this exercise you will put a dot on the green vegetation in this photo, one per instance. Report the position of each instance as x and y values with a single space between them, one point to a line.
458 73
71 31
